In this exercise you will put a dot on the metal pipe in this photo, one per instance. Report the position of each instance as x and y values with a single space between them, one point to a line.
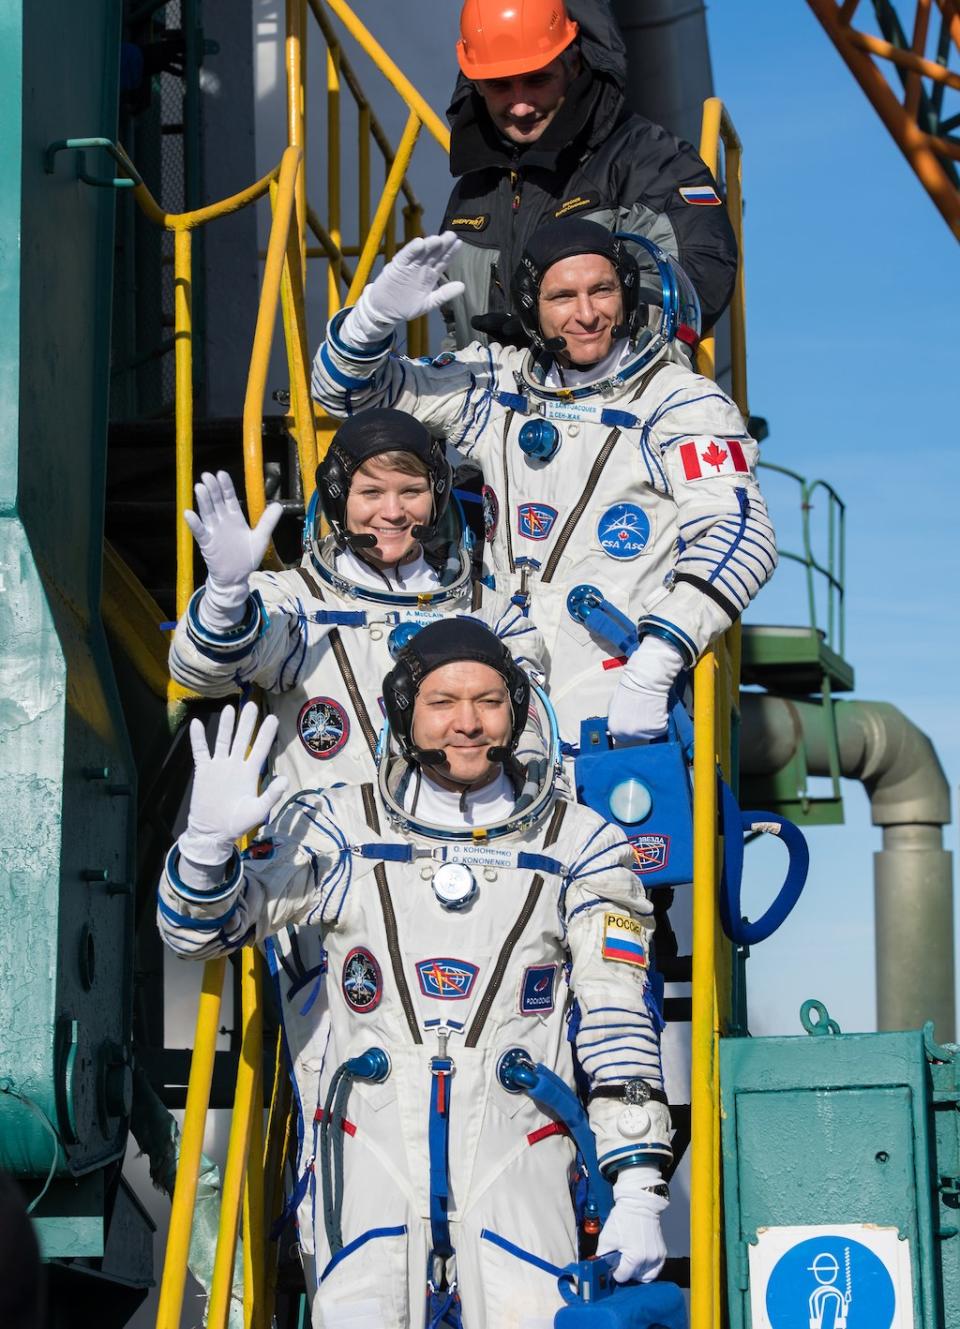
909 797
668 56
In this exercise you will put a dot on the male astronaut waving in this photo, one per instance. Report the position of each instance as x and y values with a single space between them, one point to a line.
612 470
466 911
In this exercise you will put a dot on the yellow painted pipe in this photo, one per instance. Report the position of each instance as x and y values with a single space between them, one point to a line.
174 1276
254 1238
298 358
263 336
704 1212
133 618
363 172
333 175
368 43
183 361
295 51
397 171
248 1098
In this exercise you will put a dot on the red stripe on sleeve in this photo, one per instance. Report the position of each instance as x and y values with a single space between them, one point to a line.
691 462
736 453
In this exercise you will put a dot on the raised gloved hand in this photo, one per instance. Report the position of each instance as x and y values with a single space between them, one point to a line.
638 708
633 1225
407 287
230 549
225 802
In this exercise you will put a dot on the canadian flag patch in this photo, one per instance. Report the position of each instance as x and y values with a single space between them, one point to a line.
704 458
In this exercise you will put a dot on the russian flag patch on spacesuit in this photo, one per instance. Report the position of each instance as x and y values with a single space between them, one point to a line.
703 458
536 989
624 941
704 196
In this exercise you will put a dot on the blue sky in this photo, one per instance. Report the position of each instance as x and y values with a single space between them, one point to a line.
851 277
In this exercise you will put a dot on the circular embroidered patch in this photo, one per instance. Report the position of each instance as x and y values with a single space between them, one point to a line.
623 531
491 512
323 727
361 981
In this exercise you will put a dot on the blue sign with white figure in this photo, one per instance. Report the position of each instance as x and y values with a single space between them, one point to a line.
623 531
830 1282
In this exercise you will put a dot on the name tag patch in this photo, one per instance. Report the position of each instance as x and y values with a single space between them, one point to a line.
577 204
536 989
624 940
446 979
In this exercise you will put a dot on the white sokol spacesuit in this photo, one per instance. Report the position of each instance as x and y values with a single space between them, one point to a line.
447 946
317 638
632 475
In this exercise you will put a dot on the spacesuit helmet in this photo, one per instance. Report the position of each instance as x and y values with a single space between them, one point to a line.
371 434
449 641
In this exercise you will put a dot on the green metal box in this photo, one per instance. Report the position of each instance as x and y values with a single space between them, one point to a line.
856 1133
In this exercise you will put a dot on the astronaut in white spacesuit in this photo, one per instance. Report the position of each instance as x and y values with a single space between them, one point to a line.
317 638
613 473
467 912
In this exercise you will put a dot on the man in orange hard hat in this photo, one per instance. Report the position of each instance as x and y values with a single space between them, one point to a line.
540 130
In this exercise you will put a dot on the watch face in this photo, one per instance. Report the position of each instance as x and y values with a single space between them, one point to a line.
636 1092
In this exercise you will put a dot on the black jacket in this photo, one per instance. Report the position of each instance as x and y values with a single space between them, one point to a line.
596 159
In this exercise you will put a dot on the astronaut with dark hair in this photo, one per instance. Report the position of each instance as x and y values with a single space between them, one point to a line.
614 476
471 919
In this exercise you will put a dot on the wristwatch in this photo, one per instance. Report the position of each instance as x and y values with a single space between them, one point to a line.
635 1093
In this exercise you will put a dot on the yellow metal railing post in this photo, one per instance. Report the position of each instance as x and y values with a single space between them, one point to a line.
398 170
263 336
174 1276
296 70
333 175
248 1099
716 696
183 372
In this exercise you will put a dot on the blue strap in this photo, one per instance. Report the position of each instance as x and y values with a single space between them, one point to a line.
388 853
603 619
554 1095
438 1139
513 401
339 618
465 496
618 419
734 824
541 863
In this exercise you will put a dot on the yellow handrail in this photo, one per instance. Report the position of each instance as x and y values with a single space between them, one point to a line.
716 689
174 1277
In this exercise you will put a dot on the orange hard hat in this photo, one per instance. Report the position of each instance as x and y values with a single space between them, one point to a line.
500 38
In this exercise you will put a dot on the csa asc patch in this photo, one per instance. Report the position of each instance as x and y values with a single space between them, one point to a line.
535 520
624 941
491 512
623 531
323 727
704 196
652 852
361 981
445 979
536 989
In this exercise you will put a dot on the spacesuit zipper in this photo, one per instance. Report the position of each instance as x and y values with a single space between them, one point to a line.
563 539
512 937
350 681
389 917
506 489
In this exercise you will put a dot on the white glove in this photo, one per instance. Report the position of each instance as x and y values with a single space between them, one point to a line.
633 1226
230 549
225 803
406 288
638 708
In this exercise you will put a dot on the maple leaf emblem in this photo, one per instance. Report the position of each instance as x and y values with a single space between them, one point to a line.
714 455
